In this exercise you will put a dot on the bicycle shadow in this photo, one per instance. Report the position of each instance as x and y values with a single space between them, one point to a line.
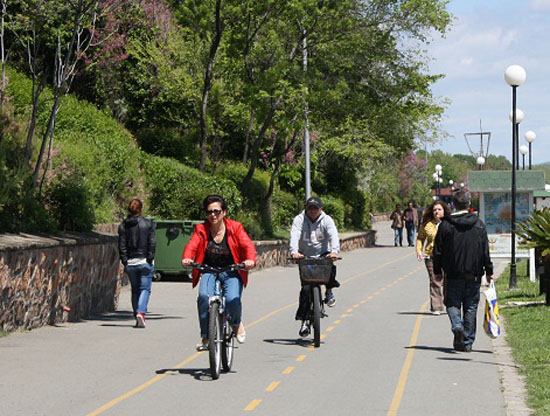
305 343
199 374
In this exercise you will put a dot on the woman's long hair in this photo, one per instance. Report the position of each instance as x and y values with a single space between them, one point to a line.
429 212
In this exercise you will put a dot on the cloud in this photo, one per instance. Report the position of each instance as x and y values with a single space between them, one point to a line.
540 5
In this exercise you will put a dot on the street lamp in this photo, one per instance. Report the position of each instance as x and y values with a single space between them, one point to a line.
438 170
523 150
530 137
519 118
480 161
514 76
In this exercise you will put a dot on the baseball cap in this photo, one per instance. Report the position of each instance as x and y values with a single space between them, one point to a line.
315 201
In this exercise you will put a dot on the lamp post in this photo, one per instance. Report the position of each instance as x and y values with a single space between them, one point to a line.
480 161
438 170
523 150
514 76
530 137
519 118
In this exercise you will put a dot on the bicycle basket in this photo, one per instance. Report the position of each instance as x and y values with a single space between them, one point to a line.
315 271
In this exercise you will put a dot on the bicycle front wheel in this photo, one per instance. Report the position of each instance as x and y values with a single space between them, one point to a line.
215 340
316 316
227 349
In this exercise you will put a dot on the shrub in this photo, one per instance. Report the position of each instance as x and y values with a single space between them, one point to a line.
251 224
335 208
70 204
176 191
285 208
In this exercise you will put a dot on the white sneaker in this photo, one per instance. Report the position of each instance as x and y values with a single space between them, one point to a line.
242 336
436 313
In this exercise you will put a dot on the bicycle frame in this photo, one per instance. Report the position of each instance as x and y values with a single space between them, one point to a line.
221 335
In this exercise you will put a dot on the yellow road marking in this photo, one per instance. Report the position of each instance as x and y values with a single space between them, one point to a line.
357 276
337 321
252 405
370 297
288 370
344 315
377 293
363 302
356 305
330 328
139 388
323 336
301 357
311 347
272 386
394 407
349 310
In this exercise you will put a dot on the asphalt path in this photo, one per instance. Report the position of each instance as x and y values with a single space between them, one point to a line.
382 353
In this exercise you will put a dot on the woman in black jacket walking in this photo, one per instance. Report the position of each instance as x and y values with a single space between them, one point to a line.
136 243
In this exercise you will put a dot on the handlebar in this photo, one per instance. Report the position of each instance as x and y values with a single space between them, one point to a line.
211 269
292 259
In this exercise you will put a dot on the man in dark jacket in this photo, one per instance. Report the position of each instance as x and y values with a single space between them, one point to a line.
461 249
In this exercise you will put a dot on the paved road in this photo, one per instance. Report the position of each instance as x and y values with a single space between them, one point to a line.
382 354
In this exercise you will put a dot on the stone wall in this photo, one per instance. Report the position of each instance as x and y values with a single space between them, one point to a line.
45 280
275 253
52 279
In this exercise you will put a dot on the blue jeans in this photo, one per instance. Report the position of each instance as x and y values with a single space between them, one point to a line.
232 288
141 279
398 236
410 232
463 295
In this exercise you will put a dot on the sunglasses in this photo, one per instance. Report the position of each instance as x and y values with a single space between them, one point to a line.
216 212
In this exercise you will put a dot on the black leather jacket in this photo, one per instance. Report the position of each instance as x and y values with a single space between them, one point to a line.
136 239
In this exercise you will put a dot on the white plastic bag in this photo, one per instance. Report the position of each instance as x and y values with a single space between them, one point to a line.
491 323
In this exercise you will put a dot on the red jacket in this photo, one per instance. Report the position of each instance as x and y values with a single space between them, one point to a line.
241 246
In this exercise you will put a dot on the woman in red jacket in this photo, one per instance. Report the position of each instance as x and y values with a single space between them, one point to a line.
220 242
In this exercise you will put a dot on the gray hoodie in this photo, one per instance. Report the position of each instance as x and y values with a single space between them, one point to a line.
314 238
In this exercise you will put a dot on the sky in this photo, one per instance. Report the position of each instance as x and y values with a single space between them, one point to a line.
485 38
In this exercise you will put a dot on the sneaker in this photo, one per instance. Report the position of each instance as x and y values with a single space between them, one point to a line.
304 329
203 345
140 320
241 336
330 300
467 348
436 313
458 341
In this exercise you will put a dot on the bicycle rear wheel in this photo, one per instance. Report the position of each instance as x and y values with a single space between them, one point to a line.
228 349
316 316
215 340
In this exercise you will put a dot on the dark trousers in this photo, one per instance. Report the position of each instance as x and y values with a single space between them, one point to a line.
304 303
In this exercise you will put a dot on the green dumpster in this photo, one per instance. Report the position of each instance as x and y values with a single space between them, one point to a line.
172 237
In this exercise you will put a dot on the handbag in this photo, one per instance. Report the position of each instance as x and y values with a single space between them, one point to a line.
491 322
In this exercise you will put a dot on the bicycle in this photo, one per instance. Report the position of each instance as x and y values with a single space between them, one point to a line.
221 337
314 272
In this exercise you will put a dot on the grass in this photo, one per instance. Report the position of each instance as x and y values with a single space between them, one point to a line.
528 334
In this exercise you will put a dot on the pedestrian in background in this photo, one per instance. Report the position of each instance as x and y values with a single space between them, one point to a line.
410 217
136 245
461 250
419 213
424 251
397 225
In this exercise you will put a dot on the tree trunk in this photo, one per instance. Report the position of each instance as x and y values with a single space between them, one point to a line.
207 85
249 135
49 131
258 141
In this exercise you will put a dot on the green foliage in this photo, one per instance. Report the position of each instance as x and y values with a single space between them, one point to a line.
70 204
285 208
536 231
176 191
336 209
251 224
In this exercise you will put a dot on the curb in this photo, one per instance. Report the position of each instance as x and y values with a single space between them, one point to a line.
513 383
